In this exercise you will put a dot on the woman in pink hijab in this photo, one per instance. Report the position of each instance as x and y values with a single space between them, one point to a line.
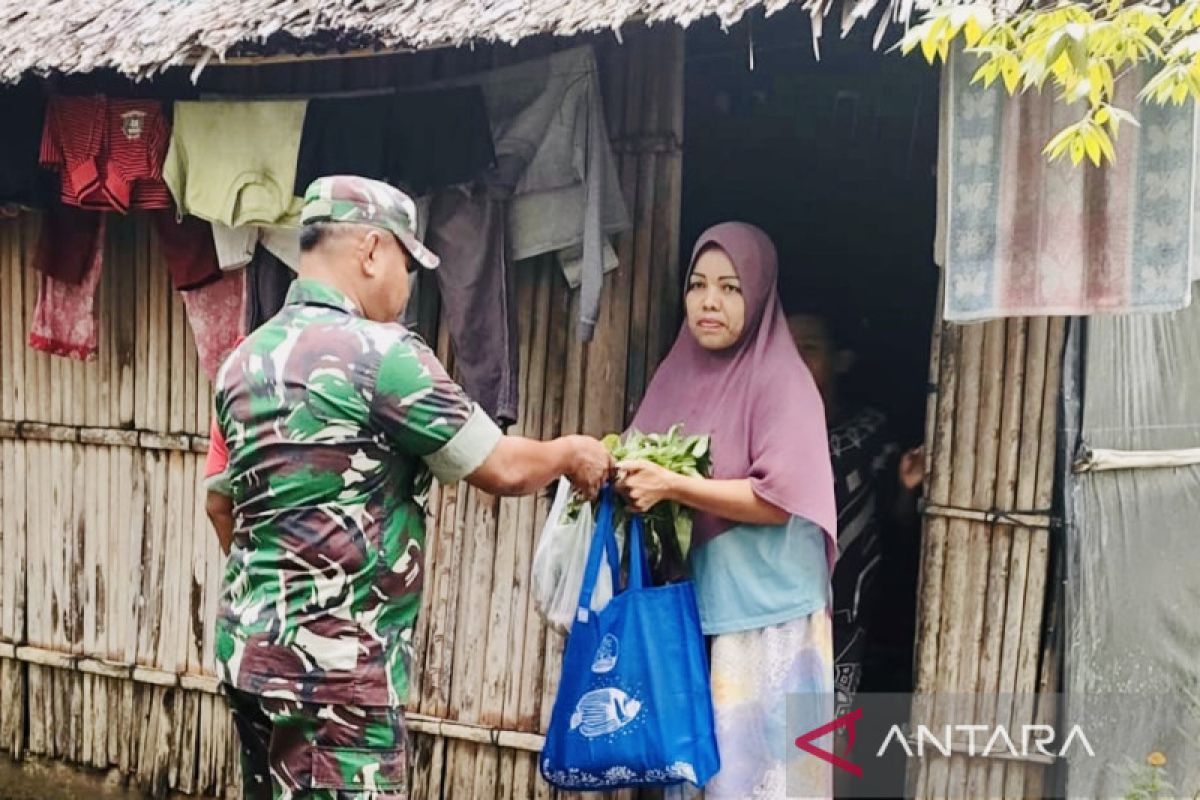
765 521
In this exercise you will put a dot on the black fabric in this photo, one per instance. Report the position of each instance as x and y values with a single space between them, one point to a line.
22 180
187 245
254 737
439 138
67 245
468 229
268 280
864 474
344 136
418 141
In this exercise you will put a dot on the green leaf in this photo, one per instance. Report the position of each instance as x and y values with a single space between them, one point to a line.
1078 150
1092 144
1011 73
1106 144
1059 144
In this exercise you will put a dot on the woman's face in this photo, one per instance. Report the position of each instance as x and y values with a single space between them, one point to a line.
716 310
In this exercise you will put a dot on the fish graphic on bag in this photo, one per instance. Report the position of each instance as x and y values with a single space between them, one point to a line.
603 711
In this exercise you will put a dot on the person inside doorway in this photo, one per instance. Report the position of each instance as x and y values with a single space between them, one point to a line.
335 418
764 522
876 488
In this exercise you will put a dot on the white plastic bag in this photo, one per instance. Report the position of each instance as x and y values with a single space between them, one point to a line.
559 562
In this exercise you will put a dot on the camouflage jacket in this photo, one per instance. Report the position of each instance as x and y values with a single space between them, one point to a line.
333 423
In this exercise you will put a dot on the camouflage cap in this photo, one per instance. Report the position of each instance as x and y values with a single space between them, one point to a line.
349 198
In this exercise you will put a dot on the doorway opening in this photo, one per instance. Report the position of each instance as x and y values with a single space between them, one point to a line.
836 160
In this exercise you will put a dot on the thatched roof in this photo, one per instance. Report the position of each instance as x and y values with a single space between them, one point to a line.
141 37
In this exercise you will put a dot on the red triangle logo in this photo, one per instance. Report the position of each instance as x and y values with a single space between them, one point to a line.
846 721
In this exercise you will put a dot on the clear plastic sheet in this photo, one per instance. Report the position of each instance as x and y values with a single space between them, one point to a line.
1133 554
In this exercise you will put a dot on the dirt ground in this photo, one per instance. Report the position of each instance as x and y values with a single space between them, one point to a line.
42 780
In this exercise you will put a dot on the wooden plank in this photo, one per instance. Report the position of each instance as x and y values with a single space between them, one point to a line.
128 311
503 630
436 681
150 556
38 721
161 344
536 296
653 326
199 621
1035 374
933 550
37 506
204 773
1037 569
52 389
176 391
13 708
37 365
68 700
458 778
957 556
98 374
471 638
174 541
8 311
55 552
16 549
195 396
156 392
90 599
529 705
84 387
972 773
11 319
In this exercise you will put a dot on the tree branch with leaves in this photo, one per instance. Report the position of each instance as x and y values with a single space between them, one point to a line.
1080 50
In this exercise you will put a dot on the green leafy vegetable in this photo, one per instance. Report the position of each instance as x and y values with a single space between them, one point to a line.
668 525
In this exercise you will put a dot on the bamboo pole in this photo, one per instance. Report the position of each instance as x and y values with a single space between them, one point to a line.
531 698
1035 376
534 296
472 648
1006 483
506 628
933 560
127 305
665 267
973 774
89 601
175 330
458 780
1032 622
9 313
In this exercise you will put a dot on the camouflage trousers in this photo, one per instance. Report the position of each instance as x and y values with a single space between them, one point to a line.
293 750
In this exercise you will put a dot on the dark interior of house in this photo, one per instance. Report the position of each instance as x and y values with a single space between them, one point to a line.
835 158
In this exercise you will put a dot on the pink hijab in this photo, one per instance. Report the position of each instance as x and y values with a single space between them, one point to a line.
757 399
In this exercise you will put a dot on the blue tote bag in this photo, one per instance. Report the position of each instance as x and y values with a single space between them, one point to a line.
634 706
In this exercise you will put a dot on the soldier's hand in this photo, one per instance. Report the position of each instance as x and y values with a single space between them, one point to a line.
590 467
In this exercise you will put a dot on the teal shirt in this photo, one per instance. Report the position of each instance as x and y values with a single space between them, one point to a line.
754 576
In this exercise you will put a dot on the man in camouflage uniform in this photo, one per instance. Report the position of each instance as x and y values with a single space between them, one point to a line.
334 416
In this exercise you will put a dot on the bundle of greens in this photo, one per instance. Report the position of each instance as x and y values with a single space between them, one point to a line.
668 525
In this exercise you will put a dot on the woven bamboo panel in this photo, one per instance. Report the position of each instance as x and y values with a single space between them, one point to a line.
985 581
109 575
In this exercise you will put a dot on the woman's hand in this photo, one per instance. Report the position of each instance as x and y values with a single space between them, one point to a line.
644 484
911 471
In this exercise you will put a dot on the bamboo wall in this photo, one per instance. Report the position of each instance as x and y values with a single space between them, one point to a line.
109 574
984 628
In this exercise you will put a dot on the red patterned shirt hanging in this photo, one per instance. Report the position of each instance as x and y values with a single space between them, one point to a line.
108 151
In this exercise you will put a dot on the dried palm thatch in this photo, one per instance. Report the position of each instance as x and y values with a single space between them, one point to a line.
139 38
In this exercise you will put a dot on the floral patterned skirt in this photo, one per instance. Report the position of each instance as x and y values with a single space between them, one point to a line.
753 672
